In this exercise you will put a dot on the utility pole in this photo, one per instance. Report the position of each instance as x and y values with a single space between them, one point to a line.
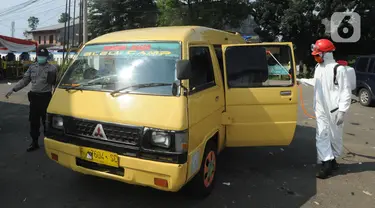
74 23
12 29
80 23
85 33
66 12
69 26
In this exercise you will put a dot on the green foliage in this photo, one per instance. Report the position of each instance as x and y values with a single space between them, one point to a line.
300 21
64 17
171 13
33 22
209 13
115 15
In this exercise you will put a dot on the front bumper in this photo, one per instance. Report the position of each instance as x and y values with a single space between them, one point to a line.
131 170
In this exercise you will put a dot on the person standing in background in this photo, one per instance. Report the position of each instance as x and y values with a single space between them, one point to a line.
42 76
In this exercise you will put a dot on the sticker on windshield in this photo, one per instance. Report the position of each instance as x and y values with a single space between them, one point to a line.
126 47
134 49
130 53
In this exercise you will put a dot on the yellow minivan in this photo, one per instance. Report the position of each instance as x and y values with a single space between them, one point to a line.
155 106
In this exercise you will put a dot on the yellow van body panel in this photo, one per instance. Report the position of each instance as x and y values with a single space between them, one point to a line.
137 171
174 33
263 116
164 112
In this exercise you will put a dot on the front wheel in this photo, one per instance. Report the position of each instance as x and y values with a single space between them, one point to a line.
365 97
202 184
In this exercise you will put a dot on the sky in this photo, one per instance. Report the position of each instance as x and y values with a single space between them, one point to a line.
48 12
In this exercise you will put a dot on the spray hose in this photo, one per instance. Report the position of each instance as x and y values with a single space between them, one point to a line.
302 103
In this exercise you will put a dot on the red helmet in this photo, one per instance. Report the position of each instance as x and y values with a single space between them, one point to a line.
322 46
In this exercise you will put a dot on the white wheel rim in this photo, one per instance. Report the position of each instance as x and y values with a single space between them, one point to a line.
364 97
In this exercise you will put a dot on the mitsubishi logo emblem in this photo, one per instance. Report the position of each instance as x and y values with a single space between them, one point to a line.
99 132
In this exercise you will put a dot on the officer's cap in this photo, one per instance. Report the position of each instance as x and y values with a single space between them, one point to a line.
42 51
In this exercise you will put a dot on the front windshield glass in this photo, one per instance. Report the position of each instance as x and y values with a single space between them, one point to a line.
108 67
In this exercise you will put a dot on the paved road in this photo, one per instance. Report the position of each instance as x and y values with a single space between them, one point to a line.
254 177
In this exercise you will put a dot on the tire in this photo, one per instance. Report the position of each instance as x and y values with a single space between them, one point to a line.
204 181
365 97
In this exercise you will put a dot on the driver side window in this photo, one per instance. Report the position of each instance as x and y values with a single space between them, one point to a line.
202 69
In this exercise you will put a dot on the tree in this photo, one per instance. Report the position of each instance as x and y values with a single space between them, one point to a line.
115 15
33 22
300 21
210 13
366 10
64 17
26 34
171 12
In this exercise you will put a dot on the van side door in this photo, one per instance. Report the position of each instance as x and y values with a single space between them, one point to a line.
260 94
205 99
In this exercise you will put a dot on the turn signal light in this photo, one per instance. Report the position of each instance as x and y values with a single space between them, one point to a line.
55 156
161 182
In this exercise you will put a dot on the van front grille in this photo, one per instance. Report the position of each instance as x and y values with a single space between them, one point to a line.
113 132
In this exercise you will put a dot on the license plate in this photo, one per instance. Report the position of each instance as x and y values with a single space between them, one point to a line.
99 156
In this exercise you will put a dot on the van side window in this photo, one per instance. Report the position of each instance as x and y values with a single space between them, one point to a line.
202 69
249 67
361 65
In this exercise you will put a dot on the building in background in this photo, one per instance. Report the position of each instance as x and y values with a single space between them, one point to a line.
53 36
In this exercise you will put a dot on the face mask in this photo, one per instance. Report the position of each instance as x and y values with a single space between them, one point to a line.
319 58
42 59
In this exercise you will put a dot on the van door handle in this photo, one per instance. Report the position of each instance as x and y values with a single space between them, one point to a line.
286 93
217 98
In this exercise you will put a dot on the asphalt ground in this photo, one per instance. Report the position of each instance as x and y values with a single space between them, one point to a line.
271 177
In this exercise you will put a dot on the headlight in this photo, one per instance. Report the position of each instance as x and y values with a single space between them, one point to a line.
57 122
161 139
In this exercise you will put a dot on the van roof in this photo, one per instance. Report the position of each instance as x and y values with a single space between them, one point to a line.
172 33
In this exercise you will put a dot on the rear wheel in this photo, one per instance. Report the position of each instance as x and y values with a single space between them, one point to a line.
365 97
203 183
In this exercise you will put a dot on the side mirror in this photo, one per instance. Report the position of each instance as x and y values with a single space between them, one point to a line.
183 68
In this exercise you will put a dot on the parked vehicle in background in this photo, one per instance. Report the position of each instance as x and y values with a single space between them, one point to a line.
365 72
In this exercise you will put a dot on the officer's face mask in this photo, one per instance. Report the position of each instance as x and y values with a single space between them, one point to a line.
42 59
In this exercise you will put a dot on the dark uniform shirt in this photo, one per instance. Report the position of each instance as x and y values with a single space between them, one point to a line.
42 78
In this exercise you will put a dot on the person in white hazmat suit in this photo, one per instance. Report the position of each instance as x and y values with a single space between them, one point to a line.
332 99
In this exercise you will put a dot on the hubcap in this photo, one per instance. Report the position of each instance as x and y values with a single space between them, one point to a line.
364 97
209 168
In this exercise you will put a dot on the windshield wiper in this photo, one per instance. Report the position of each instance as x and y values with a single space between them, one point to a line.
138 86
79 86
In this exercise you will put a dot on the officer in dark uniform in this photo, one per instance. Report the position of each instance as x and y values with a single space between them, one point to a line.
42 76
